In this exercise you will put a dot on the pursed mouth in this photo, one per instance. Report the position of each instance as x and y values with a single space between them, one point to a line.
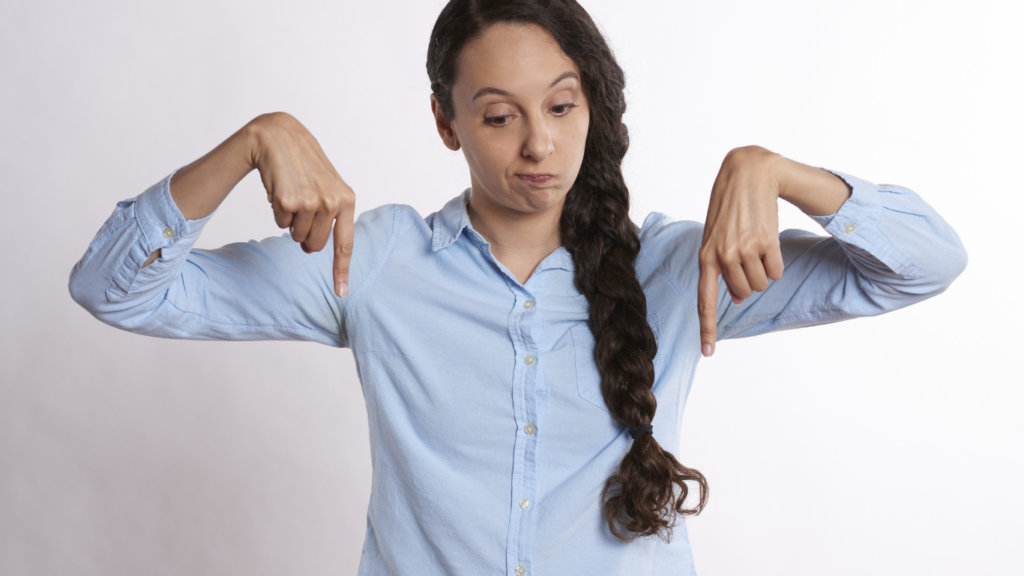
535 178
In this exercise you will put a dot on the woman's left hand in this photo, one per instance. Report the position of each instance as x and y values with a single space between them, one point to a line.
741 234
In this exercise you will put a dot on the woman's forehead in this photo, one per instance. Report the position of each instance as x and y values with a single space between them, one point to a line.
514 58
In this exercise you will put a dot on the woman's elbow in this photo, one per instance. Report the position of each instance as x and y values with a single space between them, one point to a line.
955 260
85 293
89 290
947 263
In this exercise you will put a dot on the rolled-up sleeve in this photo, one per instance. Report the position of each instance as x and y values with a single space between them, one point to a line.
265 290
886 249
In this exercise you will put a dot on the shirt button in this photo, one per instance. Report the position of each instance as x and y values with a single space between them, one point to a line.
168 233
528 304
530 429
850 228
529 360
524 503
520 570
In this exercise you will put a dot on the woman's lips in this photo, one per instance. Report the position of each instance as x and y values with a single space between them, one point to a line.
535 178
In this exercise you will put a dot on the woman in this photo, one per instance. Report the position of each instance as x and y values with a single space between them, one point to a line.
508 344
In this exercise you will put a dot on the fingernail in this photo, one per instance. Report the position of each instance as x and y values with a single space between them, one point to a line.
706 349
342 288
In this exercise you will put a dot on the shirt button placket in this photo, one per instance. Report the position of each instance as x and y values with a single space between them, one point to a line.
530 428
529 360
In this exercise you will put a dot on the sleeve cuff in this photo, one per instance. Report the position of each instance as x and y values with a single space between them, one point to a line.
162 224
859 223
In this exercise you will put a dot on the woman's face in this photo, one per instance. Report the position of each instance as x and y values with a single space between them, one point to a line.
521 119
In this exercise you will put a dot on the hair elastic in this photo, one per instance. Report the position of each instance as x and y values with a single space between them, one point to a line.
646 428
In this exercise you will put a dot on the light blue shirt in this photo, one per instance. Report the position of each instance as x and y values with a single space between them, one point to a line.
489 437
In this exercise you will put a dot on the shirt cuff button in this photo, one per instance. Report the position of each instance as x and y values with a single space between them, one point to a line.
850 228
168 233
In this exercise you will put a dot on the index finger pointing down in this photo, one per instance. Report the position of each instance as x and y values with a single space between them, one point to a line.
343 231
707 307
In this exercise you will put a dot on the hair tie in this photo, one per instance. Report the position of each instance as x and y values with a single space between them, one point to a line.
646 428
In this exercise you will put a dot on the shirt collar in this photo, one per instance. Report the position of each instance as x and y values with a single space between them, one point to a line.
453 218
450 221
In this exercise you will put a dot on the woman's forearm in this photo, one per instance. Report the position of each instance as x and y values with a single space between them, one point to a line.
812 190
199 188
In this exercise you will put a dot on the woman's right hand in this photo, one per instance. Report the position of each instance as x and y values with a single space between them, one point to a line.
307 194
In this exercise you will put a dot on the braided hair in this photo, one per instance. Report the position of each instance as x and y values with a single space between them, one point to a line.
596 230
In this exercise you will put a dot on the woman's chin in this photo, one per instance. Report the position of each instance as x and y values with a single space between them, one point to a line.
539 198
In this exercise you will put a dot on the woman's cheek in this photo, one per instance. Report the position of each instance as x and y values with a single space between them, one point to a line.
501 152
577 142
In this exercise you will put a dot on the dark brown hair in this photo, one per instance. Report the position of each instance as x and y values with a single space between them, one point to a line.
596 229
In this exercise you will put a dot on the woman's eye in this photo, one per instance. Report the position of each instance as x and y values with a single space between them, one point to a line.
563 109
497 120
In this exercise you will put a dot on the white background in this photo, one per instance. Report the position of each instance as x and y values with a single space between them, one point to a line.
886 445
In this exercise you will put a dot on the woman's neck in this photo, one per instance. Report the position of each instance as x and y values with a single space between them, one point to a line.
519 240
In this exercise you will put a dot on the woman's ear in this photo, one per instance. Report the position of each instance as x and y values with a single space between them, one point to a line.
444 127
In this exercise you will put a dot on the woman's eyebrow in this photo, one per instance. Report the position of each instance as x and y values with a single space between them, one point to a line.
564 75
500 92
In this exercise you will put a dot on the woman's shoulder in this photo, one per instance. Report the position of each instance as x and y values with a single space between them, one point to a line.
658 225
389 222
664 241
402 224
383 232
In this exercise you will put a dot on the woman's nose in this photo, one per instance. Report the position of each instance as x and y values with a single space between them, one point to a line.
539 143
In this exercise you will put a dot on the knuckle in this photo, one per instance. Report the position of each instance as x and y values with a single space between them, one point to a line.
345 248
331 204
309 203
289 204
707 255
347 195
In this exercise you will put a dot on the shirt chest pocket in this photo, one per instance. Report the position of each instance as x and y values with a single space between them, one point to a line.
588 378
